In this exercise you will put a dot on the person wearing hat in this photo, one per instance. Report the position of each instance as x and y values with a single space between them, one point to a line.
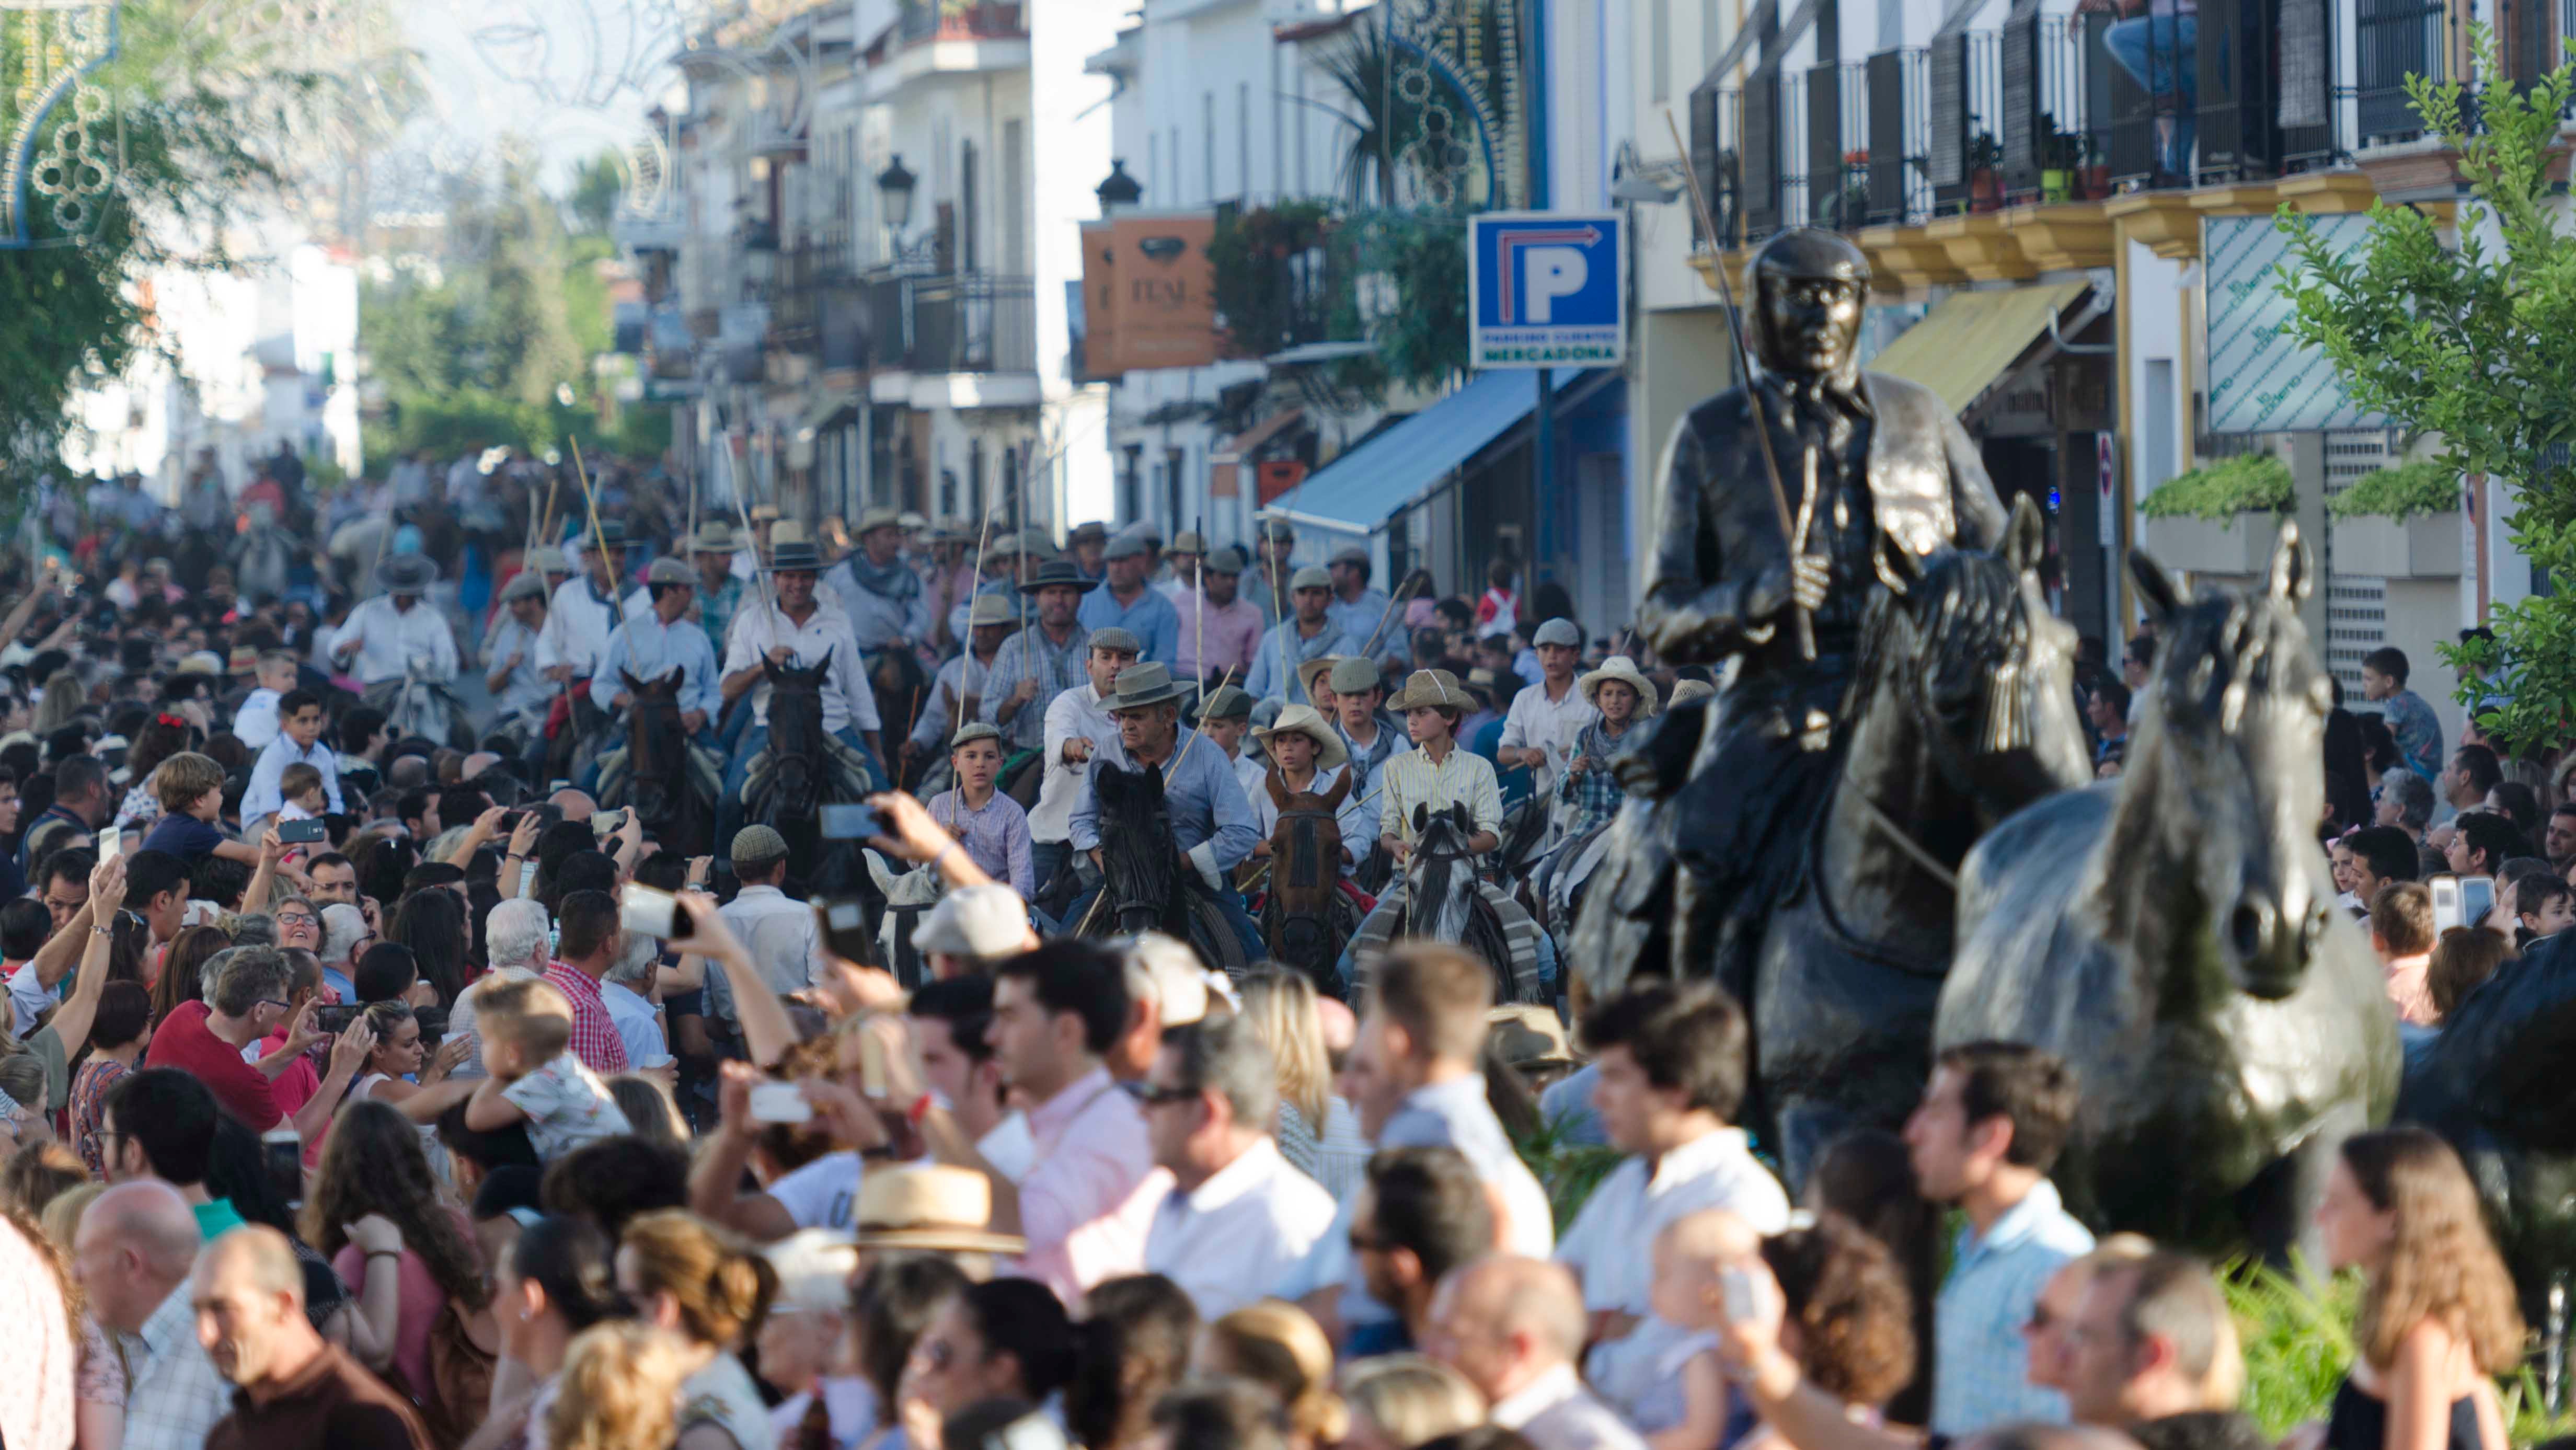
1224 715
517 690
989 826
1004 576
1359 713
1435 773
1041 662
1310 633
1363 612
380 637
1078 730
957 694
1622 697
1540 728
584 610
1088 542
877 589
930 1208
1126 601
1308 757
1220 629
720 590
971 928
794 630
1317 676
660 641
1266 582
1181 576
1211 821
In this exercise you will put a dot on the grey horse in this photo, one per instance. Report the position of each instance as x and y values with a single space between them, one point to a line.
2172 935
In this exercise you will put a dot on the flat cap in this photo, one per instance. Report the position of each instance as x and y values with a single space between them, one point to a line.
523 585
1558 631
1354 674
1187 541
671 571
970 732
1124 543
758 844
1224 559
1349 554
1114 638
1310 577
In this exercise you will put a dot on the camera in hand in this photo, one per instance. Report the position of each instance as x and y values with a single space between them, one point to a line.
335 1019
652 912
850 821
303 833
844 924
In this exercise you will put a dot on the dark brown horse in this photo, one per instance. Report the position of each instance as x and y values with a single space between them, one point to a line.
661 781
1304 914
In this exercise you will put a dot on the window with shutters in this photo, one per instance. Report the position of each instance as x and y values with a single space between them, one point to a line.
1760 161
2393 39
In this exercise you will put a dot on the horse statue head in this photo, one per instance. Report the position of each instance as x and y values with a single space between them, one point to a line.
657 748
796 738
1140 859
2222 793
1305 873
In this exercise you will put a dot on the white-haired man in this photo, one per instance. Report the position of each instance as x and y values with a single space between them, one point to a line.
517 941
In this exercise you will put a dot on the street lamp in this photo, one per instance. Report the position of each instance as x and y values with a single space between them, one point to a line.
895 185
1119 192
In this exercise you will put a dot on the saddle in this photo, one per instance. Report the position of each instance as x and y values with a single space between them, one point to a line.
1516 976
706 771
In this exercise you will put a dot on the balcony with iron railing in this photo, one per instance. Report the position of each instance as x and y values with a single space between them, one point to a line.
2049 110
971 322
922 20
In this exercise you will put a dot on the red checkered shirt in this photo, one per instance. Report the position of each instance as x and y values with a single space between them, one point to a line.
594 1035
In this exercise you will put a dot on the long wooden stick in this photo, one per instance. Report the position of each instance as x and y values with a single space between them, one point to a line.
1222 681
1369 650
1806 628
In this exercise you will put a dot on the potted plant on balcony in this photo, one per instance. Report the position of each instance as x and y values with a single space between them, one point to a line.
1850 207
1985 172
2097 169
2057 156
2399 523
2220 519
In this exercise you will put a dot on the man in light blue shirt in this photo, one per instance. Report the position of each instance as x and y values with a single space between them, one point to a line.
1984 1137
653 644
1127 602
1308 633
1211 821
877 588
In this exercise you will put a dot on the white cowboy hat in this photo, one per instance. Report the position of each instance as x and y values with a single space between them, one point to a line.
1624 670
1330 753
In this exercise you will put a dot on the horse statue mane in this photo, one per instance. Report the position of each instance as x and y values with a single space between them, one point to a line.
1140 860
1305 874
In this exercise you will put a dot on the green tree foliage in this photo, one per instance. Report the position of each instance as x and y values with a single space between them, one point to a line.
2470 344
1421 332
2249 483
596 186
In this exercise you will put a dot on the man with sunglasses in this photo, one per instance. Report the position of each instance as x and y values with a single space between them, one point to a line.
1238 1216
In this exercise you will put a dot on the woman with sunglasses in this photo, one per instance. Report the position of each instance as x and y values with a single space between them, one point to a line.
1006 1339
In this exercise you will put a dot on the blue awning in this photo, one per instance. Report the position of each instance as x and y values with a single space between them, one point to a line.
1393 471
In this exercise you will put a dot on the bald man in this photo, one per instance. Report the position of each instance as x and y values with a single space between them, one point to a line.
1515 1328
297 1389
132 1256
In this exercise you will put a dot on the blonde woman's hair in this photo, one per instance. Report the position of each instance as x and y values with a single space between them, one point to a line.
1280 1005
723 1289
2441 1265
620 1388
1413 1399
61 1218
1277 1345
649 1109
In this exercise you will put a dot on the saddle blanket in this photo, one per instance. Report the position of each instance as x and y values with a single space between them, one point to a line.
1519 931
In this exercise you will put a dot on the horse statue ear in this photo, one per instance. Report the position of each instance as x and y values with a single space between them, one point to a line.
2156 585
2025 536
2291 580
1340 792
1278 788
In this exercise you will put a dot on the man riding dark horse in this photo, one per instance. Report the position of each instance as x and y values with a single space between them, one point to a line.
653 647
583 613
1871 466
889 611
1210 819
797 630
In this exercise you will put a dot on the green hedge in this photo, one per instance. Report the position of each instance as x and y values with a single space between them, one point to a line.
2249 483
2400 493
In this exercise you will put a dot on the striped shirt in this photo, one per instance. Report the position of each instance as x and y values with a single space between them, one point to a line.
1029 654
1411 779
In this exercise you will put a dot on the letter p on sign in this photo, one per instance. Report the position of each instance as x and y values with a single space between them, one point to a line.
1548 273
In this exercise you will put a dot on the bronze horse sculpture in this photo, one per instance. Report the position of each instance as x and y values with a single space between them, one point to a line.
1962 713
2172 935
1304 915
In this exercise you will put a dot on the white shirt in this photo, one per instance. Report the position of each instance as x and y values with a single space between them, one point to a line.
1074 714
388 639
265 794
523 688
1537 722
638 1023
255 723
822 1194
576 629
27 1000
756 629
1611 1244
779 933
1228 1241
1555 1412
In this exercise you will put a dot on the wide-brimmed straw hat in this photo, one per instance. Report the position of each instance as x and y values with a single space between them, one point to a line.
1315 669
930 1206
1330 753
1431 687
1624 670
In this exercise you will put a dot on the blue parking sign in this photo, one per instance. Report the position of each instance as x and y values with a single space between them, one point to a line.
1546 290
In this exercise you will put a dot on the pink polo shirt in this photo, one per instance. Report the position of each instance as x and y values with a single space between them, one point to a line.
1089 1203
